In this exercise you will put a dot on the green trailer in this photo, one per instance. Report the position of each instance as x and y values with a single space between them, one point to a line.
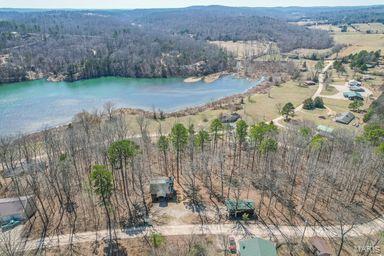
237 208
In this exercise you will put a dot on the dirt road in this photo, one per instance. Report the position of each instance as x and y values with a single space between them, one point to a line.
235 229
277 120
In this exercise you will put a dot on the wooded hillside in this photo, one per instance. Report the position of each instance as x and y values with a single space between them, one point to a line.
72 45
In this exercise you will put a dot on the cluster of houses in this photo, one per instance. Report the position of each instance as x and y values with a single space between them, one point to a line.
355 88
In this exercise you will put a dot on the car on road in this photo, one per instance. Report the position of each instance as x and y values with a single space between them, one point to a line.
232 248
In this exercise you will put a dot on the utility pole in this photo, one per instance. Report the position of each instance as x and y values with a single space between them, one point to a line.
305 228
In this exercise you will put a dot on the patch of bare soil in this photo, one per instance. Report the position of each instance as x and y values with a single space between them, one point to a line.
192 79
212 78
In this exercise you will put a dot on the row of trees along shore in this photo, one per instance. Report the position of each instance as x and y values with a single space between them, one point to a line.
96 170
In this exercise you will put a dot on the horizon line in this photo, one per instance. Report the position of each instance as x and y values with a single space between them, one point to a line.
185 7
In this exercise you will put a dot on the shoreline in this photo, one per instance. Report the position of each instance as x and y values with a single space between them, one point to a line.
260 88
206 79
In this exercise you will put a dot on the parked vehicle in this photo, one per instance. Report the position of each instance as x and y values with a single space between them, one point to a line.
232 245
10 225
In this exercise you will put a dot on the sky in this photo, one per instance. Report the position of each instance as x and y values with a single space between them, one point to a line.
133 4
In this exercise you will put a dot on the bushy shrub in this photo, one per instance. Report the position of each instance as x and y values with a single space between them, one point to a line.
308 104
318 102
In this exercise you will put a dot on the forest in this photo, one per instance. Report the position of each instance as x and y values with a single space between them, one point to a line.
79 44
346 15
94 174
73 45
234 24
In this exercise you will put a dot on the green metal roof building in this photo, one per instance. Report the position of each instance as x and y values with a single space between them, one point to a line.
257 247
323 128
237 208
353 95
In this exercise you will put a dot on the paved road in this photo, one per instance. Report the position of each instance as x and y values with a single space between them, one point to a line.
239 231
277 120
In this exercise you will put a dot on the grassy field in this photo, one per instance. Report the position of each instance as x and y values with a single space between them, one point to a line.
307 53
326 117
256 108
356 38
375 28
200 120
329 90
356 42
261 107
242 49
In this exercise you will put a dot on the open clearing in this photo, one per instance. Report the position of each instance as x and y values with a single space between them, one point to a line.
356 42
264 107
242 49
356 38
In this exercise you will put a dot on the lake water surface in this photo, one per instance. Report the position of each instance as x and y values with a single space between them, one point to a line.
34 105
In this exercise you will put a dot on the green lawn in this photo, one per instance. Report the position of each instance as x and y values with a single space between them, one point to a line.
329 90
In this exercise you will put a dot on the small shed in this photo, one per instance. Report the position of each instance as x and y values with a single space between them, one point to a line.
236 208
162 187
320 247
19 208
324 129
230 119
353 95
345 118
310 82
257 247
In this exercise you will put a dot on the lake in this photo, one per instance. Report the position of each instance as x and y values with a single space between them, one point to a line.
34 105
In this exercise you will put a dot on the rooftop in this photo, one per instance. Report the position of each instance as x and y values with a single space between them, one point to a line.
13 205
159 180
257 247
345 118
239 205
321 245
324 128
352 94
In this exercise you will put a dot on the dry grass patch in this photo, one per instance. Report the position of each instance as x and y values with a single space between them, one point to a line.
327 27
357 41
322 117
263 107
376 28
241 49
200 120
329 90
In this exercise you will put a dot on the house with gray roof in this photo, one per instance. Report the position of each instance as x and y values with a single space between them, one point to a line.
353 96
345 118
162 187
